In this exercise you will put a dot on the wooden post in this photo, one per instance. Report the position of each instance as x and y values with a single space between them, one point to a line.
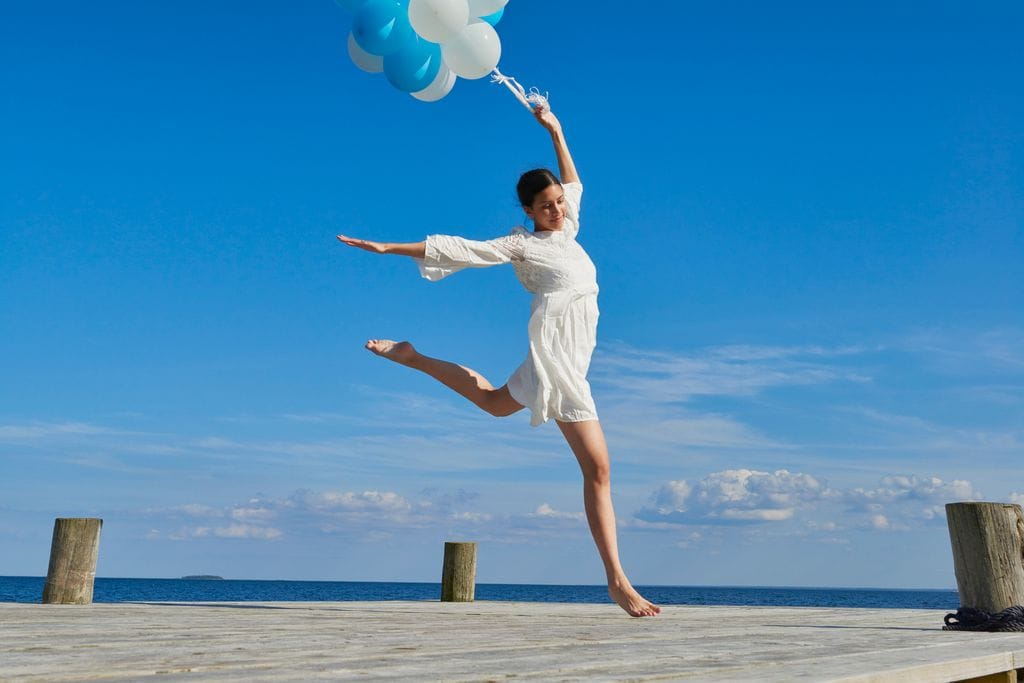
988 554
73 553
458 575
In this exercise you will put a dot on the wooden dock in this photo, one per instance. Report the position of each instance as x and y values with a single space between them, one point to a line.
482 641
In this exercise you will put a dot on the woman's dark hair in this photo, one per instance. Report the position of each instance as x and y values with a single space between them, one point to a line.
533 183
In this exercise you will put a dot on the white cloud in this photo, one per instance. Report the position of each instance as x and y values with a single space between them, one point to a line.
218 443
545 510
956 352
672 496
743 496
348 513
348 501
651 398
197 510
690 540
662 376
901 502
234 531
925 491
758 515
363 515
675 428
915 434
472 516
736 496
43 430
252 513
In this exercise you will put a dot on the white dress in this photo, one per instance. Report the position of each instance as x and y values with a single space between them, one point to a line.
552 381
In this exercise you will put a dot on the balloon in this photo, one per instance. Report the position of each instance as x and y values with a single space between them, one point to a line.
350 5
363 59
493 19
442 85
438 20
381 27
474 52
482 8
415 66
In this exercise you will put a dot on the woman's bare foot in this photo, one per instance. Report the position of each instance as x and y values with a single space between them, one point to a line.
626 597
400 352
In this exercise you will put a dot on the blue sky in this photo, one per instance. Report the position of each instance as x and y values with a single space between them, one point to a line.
809 231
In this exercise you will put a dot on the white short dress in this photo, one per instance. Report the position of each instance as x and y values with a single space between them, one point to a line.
552 381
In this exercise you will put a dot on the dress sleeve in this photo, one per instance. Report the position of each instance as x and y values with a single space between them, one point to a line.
446 254
573 197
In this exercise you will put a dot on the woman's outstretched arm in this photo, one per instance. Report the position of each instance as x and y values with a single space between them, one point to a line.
414 249
566 168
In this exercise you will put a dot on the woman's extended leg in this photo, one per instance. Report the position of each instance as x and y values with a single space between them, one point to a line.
586 439
468 383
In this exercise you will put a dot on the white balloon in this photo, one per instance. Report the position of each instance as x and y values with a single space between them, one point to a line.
441 86
474 52
482 8
363 59
438 20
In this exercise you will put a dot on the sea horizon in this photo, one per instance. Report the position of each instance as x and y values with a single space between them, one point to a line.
28 589
202 577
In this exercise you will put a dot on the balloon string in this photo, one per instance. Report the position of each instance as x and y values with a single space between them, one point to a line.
530 100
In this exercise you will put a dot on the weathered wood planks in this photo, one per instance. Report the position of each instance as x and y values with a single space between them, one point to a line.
418 641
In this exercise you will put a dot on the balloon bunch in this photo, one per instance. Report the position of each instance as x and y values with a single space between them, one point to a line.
423 46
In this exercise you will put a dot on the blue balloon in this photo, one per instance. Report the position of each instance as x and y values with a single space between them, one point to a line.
493 19
351 5
415 66
381 27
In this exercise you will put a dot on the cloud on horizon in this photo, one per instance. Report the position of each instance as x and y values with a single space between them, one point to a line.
360 515
787 503
744 497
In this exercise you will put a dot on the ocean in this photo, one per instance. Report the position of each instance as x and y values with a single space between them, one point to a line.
30 589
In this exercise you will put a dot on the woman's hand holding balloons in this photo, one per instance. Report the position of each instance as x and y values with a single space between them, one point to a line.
547 118
566 167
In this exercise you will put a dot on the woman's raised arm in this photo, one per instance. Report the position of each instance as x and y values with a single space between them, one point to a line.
414 249
566 168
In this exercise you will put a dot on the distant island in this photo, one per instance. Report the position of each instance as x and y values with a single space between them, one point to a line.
203 577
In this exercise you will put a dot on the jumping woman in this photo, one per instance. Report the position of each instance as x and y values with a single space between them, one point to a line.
552 381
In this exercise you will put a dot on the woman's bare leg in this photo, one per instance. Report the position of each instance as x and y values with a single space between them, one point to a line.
467 382
586 439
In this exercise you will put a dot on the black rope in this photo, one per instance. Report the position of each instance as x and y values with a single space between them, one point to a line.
971 619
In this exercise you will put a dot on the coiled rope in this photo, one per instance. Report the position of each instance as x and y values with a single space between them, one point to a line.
971 619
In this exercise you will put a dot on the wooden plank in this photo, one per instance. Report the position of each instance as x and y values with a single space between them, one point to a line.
417 641
1005 677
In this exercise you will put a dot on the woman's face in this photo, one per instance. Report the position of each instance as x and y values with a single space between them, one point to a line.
548 210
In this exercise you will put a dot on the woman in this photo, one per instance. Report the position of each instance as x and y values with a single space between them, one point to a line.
552 381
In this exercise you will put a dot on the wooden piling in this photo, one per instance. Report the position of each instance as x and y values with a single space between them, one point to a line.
458 575
988 554
73 554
